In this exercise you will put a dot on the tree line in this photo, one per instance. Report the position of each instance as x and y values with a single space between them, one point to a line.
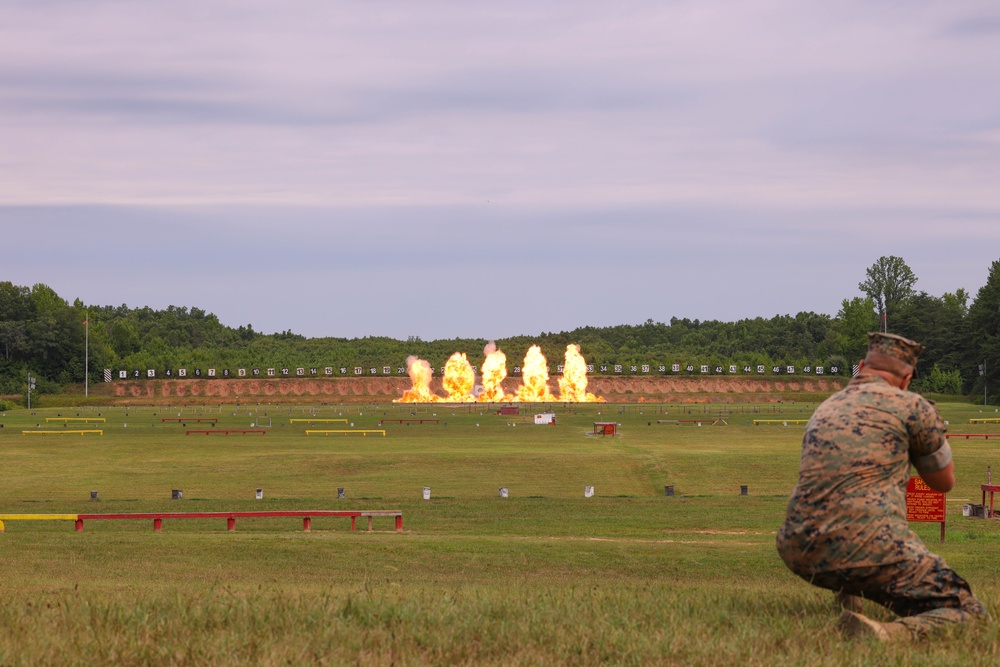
42 334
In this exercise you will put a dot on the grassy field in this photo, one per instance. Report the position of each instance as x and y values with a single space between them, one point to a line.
545 576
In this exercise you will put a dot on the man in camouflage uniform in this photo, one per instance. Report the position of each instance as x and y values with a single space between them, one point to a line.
846 528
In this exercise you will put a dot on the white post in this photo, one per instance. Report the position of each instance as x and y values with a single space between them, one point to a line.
86 357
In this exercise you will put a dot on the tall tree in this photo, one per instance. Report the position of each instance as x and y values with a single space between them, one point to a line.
937 323
983 332
12 337
45 299
123 338
15 302
856 318
889 284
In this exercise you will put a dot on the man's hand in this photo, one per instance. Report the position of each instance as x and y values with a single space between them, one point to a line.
942 480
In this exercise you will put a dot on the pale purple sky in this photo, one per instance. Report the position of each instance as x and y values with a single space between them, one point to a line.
473 169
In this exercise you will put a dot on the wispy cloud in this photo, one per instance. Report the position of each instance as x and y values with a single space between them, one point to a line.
711 160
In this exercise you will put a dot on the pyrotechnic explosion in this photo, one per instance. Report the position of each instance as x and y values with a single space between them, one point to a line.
460 379
494 372
420 375
573 383
535 378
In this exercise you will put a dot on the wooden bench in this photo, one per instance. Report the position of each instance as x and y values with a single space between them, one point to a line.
678 422
393 513
230 517
985 420
784 422
318 421
363 431
86 420
406 421
214 420
227 431
64 432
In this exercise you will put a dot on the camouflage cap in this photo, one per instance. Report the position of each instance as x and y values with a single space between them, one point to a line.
897 347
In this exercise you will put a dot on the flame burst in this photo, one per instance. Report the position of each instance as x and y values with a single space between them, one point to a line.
460 379
420 375
535 375
573 383
494 372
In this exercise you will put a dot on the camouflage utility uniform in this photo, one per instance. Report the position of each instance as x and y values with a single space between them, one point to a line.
846 526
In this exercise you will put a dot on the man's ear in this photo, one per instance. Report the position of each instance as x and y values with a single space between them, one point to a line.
906 382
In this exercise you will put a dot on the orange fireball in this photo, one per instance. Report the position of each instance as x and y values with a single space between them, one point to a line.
420 373
494 372
535 376
459 380
573 383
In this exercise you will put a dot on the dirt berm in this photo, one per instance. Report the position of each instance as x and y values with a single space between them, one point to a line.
385 389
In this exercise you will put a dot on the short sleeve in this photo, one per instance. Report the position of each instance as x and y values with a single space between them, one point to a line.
929 449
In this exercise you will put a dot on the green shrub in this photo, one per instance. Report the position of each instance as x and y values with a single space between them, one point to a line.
941 382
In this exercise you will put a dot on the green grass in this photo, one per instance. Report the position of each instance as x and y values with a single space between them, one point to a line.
543 577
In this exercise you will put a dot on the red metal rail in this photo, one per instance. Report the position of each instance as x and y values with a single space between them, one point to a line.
227 431
407 421
231 517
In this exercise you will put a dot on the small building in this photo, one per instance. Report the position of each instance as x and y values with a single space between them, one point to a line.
509 410
548 418
605 428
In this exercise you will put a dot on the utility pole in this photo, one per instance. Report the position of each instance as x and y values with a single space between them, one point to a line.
982 373
86 357
31 385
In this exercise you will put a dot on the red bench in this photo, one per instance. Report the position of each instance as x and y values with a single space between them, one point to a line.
224 431
231 517
991 489
404 421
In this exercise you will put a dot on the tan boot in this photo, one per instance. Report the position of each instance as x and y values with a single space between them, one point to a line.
897 631
858 626
848 602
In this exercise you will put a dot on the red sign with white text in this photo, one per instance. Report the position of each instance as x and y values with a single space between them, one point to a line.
922 502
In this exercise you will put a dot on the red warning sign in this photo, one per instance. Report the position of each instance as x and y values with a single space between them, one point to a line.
922 502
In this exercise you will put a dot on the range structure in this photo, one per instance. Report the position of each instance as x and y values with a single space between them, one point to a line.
459 379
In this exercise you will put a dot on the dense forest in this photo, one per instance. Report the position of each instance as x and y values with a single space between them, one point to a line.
45 336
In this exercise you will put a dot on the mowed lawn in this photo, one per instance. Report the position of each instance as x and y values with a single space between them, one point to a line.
544 576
